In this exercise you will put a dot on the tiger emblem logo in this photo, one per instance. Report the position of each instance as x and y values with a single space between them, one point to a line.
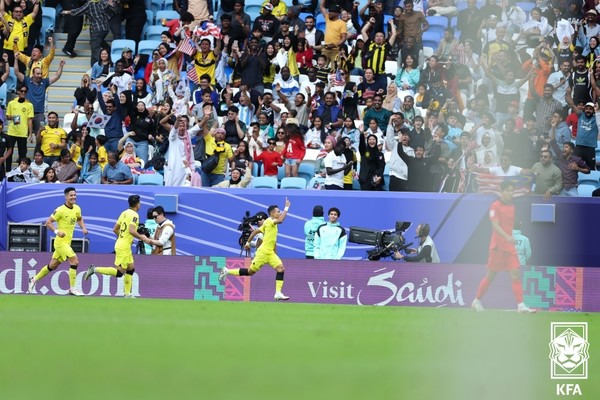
569 351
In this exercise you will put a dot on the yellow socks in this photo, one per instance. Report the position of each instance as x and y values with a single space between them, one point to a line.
73 276
43 272
127 278
278 286
106 271
235 272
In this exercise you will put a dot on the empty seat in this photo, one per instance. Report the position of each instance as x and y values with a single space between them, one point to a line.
166 15
147 46
293 183
264 182
150 179
153 32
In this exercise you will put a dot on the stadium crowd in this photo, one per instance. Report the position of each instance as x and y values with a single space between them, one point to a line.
445 95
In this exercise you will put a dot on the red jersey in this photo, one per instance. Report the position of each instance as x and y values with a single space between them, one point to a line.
505 215
294 149
268 158
572 120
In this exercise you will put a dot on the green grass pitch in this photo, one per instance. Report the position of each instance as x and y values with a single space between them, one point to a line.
114 348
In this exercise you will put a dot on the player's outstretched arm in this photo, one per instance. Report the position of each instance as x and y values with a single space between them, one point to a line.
284 212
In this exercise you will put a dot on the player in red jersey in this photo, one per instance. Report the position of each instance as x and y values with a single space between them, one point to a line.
503 254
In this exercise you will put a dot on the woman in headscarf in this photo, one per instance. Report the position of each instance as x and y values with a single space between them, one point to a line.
180 159
236 180
372 163
91 172
128 156
392 102
487 153
66 170
160 80
591 51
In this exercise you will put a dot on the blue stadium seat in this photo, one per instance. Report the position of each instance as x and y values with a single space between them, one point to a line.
293 183
303 16
585 190
355 184
253 15
280 172
306 171
149 18
436 29
3 95
166 14
116 48
314 181
436 20
48 22
11 82
526 6
321 26
254 2
253 8
256 169
386 18
159 5
264 182
150 179
147 46
593 178
453 22
431 39
153 32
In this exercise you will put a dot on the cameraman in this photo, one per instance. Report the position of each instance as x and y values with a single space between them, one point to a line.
259 220
164 237
426 252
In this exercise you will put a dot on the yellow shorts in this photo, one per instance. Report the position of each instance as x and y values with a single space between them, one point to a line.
63 253
261 259
123 258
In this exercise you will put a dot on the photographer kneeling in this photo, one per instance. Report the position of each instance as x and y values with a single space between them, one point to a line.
426 252
164 236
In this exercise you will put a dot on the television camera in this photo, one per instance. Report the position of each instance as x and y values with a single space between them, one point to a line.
247 225
386 242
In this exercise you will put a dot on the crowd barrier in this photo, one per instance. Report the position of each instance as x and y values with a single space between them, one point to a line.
311 281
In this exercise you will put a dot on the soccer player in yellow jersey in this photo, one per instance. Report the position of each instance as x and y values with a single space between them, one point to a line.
265 254
126 230
65 216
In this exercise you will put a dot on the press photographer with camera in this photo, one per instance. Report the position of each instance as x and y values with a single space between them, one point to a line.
164 236
426 252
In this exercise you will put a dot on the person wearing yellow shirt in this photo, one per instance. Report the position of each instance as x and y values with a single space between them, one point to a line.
266 253
36 60
19 25
336 31
65 216
126 230
19 113
205 59
215 143
52 139
279 8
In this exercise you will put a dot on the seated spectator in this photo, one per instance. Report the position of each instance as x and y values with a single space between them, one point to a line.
103 68
128 156
373 129
349 131
315 137
378 113
287 84
66 170
392 102
49 176
38 166
161 80
369 87
115 172
140 93
236 180
22 172
91 172
151 66
330 113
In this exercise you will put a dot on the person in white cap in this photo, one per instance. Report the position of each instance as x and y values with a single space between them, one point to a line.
588 29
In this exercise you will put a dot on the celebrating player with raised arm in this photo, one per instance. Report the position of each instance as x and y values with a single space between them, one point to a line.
65 217
266 252
503 254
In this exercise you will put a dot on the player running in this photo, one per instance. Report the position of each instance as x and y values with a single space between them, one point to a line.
503 254
65 217
126 230
265 254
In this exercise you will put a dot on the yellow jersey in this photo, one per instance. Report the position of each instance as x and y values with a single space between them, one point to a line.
206 65
269 240
224 150
19 30
125 239
55 136
102 155
66 218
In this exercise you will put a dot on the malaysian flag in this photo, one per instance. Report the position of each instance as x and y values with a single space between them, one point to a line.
491 184
208 29
187 46
191 74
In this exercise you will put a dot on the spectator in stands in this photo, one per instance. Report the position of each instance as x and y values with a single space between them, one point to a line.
315 37
548 177
253 63
215 143
330 113
270 159
335 164
413 23
469 21
84 93
419 167
310 228
36 93
66 170
545 108
294 148
98 13
369 87
587 133
140 130
241 157
236 180
22 172
91 172
20 113
588 28
408 77
285 83
38 166
115 172
372 163
316 135
330 238
239 18
267 22
444 8
52 139
49 176
20 25
570 166
121 78
350 131
113 129
377 112
335 31
103 67
377 50
134 13
559 130
36 60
